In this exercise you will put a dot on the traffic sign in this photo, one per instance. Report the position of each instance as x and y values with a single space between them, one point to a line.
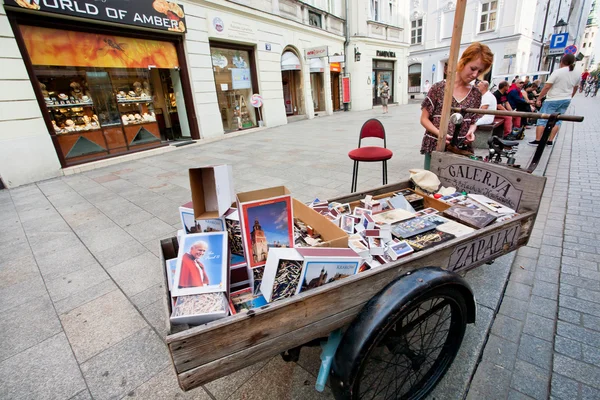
558 42
572 49
433 68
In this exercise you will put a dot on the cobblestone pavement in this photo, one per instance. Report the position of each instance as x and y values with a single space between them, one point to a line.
81 312
545 339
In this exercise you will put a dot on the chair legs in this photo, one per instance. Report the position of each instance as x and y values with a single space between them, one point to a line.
354 177
385 172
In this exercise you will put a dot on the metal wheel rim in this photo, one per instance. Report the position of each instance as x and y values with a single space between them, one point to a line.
416 384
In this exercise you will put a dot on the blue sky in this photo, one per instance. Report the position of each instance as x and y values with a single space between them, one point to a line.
273 219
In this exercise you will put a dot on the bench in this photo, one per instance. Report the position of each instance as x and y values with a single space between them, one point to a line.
484 132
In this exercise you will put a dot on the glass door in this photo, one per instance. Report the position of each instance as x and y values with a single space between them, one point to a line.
381 76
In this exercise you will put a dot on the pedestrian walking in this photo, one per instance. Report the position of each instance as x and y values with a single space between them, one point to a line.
475 61
559 90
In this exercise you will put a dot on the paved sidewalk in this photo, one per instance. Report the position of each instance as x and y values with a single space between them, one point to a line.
545 340
81 314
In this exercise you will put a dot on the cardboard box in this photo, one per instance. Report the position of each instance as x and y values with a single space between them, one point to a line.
212 190
331 234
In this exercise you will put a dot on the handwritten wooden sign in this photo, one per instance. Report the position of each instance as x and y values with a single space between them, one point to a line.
484 248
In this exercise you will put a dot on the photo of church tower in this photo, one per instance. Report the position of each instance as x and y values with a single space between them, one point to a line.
258 239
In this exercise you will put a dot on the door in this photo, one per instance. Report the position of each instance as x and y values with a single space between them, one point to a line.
381 76
335 90
288 84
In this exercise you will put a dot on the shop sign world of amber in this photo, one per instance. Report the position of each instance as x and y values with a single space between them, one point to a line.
55 47
156 14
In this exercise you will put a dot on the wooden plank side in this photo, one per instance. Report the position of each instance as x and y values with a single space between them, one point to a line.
203 344
393 187
512 187
241 359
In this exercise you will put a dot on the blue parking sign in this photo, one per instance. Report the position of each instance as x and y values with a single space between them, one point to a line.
558 42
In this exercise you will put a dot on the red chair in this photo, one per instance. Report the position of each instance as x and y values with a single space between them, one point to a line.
371 128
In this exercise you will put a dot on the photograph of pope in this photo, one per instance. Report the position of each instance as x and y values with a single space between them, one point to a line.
193 273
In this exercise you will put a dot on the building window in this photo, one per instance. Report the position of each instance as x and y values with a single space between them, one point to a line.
416 31
375 10
583 44
314 19
586 35
487 21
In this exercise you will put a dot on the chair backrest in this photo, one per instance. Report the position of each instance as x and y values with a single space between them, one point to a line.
372 128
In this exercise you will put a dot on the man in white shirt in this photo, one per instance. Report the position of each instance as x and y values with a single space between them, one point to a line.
488 102
560 89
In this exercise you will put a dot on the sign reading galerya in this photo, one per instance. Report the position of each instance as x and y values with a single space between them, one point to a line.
484 248
155 14
475 179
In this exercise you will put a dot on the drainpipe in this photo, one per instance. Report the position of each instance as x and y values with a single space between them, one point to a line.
346 43
543 36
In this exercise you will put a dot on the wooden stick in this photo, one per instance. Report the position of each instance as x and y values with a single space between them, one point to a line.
562 117
459 16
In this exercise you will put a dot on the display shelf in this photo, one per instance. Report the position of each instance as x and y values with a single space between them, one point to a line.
90 104
135 101
78 132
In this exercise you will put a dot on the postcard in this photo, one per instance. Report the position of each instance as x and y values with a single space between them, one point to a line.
257 275
475 218
429 239
234 233
201 264
361 211
199 309
244 300
192 225
282 274
347 223
426 211
326 265
491 204
392 216
412 227
455 228
435 218
343 209
266 224
171 269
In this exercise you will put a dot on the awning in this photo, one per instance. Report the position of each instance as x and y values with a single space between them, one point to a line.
290 62
316 65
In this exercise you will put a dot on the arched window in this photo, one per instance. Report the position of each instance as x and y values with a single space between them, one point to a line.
414 78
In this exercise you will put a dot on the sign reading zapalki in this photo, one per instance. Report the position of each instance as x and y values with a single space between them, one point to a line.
157 14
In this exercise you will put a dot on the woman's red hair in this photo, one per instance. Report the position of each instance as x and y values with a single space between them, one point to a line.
473 52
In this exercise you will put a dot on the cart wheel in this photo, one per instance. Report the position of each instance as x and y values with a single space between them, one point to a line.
404 345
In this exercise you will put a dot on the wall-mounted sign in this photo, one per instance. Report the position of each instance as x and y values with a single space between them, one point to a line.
346 89
226 26
337 59
158 14
317 52
388 54
510 56
268 46
335 67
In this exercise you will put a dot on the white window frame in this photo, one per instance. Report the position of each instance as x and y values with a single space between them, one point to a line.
487 14
414 35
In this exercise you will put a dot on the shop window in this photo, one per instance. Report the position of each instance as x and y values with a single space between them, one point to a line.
232 71
416 31
104 94
414 78
487 19
315 19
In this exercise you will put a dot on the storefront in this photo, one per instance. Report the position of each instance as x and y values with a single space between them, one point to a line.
382 71
106 90
317 85
235 79
291 79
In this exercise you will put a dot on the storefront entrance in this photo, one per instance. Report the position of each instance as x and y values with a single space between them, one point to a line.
316 84
335 69
382 71
104 94
291 79
234 73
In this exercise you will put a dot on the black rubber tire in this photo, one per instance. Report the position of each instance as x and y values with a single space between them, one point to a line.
452 300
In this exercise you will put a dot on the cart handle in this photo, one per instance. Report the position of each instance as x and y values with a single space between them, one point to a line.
561 117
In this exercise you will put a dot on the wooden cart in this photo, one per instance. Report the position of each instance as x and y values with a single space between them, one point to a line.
377 308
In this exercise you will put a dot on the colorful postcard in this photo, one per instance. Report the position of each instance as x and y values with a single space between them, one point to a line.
343 209
361 211
266 224
191 225
435 218
234 233
244 300
348 222
171 269
282 274
426 211
319 273
401 249
201 264
429 239
412 227
257 275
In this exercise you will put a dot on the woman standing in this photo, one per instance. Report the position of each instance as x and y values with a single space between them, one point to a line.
475 61
385 95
